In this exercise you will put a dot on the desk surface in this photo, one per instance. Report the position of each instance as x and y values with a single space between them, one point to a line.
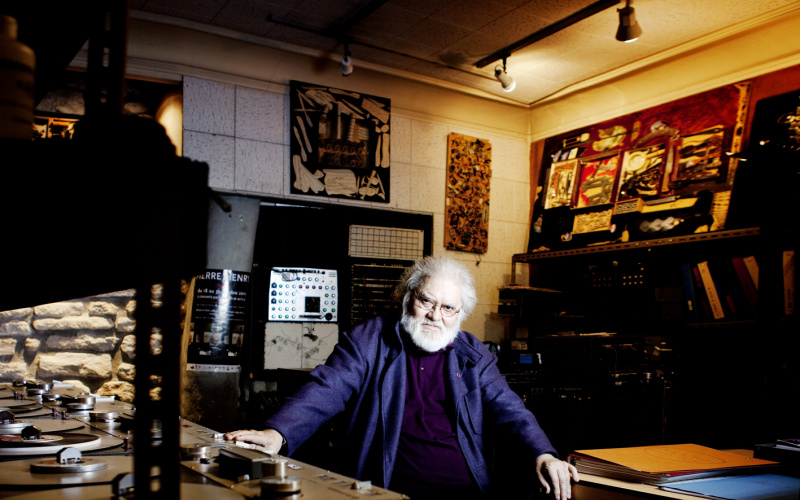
601 488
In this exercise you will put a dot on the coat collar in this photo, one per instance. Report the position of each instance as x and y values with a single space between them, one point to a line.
464 352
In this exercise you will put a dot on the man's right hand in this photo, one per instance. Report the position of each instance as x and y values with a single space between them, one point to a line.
269 439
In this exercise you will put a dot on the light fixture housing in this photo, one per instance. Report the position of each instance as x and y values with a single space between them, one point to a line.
629 29
346 66
504 78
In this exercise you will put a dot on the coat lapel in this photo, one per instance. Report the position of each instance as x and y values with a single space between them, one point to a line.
392 400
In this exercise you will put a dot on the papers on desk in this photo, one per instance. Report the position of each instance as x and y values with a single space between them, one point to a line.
754 487
664 463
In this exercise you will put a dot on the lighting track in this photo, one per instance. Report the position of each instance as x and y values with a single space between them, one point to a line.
343 38
568 21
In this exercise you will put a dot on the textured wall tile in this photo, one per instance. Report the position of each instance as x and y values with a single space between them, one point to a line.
505 239
498 246
402 182
401 140
427 189
216 150
259 167
208 106
438 234
509 201
260 115
500 200
429 144
510 159
521 211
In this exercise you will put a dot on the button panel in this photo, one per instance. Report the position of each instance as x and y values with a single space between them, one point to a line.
303 294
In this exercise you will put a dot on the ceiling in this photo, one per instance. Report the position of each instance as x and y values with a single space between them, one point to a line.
440 41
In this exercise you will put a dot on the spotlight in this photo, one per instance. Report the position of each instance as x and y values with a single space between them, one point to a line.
629 30
346 67
505 80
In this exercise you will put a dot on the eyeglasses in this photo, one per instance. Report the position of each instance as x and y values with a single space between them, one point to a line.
430 305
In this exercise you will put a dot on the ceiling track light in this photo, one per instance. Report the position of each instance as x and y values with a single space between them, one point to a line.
629 30
505 80
346 66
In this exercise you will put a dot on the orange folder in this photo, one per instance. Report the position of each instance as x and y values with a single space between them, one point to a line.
674 458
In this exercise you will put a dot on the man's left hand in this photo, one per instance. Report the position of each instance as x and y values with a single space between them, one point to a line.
558 473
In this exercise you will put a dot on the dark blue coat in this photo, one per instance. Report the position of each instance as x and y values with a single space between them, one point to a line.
365 377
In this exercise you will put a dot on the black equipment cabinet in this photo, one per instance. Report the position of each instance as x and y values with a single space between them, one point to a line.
668 374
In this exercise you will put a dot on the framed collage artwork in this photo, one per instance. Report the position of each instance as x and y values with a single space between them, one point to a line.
469 175
560 184
339 143
642 173
597 181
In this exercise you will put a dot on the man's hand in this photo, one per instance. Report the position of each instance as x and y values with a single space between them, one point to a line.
558 473
269 439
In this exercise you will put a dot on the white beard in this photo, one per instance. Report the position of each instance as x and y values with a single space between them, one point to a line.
425 340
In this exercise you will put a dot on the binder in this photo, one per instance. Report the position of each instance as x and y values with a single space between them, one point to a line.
711 290
788 282
704 309
746 282
688 290
752 268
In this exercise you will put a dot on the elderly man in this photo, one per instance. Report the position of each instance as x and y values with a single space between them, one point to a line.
420 398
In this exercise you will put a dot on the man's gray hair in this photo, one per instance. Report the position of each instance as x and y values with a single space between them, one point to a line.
417 275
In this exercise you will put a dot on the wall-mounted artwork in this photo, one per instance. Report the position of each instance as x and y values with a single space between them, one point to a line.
339 143
560 183
592 222
642 171
469 172
700 156
596 181
683 151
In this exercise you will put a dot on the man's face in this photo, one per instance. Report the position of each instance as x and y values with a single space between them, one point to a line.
429 329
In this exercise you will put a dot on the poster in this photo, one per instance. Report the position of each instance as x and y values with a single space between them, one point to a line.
220 311
339 143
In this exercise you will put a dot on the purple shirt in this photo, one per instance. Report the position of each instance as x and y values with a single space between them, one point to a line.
428 456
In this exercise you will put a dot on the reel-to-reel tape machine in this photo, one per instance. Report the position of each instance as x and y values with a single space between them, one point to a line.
65 445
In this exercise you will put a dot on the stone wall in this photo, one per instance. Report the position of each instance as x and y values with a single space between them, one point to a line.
88 342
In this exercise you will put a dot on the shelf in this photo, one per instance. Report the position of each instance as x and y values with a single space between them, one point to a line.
634 245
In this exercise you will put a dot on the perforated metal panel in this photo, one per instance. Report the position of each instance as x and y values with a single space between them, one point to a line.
386 243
